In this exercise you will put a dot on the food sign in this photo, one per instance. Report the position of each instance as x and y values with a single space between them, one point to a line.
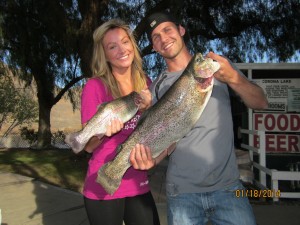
282 131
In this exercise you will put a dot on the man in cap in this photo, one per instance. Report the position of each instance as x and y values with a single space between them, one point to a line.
202 176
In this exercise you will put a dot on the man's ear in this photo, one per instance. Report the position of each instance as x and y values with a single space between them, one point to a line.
181 30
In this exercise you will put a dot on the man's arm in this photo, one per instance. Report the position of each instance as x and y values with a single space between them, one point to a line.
251 94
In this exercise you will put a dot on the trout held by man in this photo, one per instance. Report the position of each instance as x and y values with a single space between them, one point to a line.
123 108
167 121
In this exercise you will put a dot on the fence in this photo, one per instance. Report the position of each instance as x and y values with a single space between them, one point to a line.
16 141
275 175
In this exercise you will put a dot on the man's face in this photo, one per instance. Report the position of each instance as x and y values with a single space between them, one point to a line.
167 39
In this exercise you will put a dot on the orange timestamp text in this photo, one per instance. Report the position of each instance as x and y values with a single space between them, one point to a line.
257 193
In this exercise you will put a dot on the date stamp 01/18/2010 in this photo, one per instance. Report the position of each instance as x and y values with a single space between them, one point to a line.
256 193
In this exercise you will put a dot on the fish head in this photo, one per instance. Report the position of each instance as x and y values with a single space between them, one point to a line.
203 70
136 98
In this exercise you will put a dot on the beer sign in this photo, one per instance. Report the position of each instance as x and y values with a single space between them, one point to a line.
282 131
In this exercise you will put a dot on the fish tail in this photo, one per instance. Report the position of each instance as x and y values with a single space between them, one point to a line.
110 184
71 140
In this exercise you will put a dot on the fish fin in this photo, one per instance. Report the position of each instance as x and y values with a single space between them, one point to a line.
109 184
171 148
118 149
99 135
73 143
143 116
102 105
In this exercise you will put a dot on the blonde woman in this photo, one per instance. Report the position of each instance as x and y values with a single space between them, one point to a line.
117 71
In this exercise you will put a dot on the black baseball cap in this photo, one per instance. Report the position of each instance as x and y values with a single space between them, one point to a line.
157 18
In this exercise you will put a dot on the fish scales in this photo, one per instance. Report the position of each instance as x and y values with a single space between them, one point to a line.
123 108
166 122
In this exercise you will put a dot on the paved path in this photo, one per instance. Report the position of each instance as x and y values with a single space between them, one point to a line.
25 201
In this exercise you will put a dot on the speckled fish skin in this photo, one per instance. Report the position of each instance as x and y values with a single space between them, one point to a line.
123 108
166 122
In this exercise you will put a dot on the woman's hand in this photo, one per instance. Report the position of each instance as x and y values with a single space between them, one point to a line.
113 127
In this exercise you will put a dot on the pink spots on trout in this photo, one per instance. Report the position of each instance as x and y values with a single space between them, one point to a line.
204 72
204 82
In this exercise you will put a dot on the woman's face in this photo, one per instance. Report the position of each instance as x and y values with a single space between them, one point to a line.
118 49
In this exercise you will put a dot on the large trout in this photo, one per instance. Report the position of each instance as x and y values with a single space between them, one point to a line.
123 108
167 121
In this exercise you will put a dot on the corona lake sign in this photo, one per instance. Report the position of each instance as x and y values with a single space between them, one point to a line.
283 94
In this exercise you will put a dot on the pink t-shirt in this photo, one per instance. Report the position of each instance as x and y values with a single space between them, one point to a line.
134 182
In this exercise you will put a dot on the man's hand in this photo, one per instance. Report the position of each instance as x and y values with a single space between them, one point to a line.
226 73
141 157
251 94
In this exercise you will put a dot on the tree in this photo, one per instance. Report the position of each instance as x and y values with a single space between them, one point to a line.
50 50
41 48
51 40
245 31
17 107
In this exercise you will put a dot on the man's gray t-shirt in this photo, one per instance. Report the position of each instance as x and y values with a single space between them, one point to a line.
204 160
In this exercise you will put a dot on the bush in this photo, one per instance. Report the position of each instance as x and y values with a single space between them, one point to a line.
29 134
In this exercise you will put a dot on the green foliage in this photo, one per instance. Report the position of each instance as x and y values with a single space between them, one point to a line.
32 136
58 137
17 107
7 92
29 134
42 49
245 31
51 51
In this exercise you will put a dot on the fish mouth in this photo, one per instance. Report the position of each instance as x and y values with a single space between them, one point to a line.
205 83
205 72
205 68
137 99
137 102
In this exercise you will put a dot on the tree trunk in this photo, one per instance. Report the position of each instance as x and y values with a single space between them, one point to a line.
46 102
91 11
44 131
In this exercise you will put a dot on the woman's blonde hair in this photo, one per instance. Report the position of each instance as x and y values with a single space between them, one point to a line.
102 69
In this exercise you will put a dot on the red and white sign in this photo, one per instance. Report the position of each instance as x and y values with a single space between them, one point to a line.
278 123
280 143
